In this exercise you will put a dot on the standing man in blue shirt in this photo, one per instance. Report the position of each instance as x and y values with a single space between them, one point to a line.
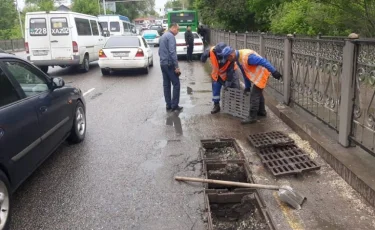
169 68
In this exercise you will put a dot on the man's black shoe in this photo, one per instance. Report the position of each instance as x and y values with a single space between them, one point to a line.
168 109
178 109
248 121
215 109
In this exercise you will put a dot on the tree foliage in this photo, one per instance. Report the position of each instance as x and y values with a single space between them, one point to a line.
86 7
329 17
8 18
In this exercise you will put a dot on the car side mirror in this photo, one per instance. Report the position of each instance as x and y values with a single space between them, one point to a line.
58 82
105 33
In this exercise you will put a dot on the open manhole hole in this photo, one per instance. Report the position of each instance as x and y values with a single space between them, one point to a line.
236 211
230 171
221 149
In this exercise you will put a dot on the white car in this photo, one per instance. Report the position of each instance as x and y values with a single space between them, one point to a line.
181 45
151 36
125 52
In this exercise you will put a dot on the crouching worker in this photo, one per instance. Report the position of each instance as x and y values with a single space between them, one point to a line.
222 74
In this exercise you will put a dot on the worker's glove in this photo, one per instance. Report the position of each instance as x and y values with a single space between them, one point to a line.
221 81
277 75
246 90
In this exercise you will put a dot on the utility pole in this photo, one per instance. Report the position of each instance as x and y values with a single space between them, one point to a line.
105 12
19 18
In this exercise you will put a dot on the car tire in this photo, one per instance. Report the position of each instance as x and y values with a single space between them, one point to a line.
146 69
85 66
105 72
152 62
6 204
44 69
78 131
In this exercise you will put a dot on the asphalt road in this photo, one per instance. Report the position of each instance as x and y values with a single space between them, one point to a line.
121 176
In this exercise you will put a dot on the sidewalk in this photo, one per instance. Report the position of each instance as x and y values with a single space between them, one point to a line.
331 202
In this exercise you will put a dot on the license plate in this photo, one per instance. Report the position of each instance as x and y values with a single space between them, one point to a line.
40 52
149 40
120 54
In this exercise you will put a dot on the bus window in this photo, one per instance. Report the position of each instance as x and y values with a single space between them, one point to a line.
38 27
94 27
126 27
83 27
114 26
182 17
104 25
59 26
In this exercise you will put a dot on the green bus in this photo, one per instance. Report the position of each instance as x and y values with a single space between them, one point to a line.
184 18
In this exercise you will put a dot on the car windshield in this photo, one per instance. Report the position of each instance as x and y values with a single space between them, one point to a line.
125 41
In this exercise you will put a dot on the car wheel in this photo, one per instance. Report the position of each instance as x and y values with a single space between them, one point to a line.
5 201
105 72
146 69
152 62
85 66
44 68
78 131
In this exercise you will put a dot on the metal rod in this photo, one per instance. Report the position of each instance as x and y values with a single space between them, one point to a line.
19 17
105 12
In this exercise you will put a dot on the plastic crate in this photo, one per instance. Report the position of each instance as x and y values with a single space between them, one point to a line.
235 103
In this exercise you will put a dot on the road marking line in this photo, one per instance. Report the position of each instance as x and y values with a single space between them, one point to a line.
89 91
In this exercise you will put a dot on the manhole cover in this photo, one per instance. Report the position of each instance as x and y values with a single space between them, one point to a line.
269 139
287 160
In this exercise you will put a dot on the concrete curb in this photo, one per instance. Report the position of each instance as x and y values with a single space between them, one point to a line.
356 171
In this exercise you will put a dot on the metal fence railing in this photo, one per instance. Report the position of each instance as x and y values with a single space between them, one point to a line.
332 78
13 45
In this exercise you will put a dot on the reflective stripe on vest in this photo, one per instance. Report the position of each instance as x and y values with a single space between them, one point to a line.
257 74
216 71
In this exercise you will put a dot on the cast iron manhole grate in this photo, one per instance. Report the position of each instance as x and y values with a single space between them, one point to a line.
269 139
287 160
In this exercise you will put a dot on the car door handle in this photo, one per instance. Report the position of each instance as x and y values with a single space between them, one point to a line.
43 109
54 41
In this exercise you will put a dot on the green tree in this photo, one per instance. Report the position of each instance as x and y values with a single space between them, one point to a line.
8 18
86 7
135 9
43 5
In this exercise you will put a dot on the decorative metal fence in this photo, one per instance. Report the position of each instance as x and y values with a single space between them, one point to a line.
12 45
332 78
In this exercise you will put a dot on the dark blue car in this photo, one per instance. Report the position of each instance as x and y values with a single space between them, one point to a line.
37 114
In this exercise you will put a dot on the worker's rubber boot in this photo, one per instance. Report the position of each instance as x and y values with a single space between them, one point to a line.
262 114
215 109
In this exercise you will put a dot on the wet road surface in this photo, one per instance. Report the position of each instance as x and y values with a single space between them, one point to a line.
121 176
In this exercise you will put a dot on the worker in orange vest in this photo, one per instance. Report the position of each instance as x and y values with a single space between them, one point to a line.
257 70
222 74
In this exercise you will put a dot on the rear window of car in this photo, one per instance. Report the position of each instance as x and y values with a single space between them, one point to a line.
114 26
59 26
150 32
181 35
83 27
123 42
38 27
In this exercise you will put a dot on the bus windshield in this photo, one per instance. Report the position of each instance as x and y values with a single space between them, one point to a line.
184 18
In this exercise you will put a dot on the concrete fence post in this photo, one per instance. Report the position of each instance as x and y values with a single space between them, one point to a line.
262 45
287 71
347 89
229 38
235 40
12 44
245 40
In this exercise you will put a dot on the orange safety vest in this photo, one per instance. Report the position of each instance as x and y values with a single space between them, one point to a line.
216 71
257 74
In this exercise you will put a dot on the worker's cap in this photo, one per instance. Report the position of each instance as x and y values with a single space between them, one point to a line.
219 47
226 52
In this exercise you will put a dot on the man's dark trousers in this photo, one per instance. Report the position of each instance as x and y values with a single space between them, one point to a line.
257 105
169 76
190 49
